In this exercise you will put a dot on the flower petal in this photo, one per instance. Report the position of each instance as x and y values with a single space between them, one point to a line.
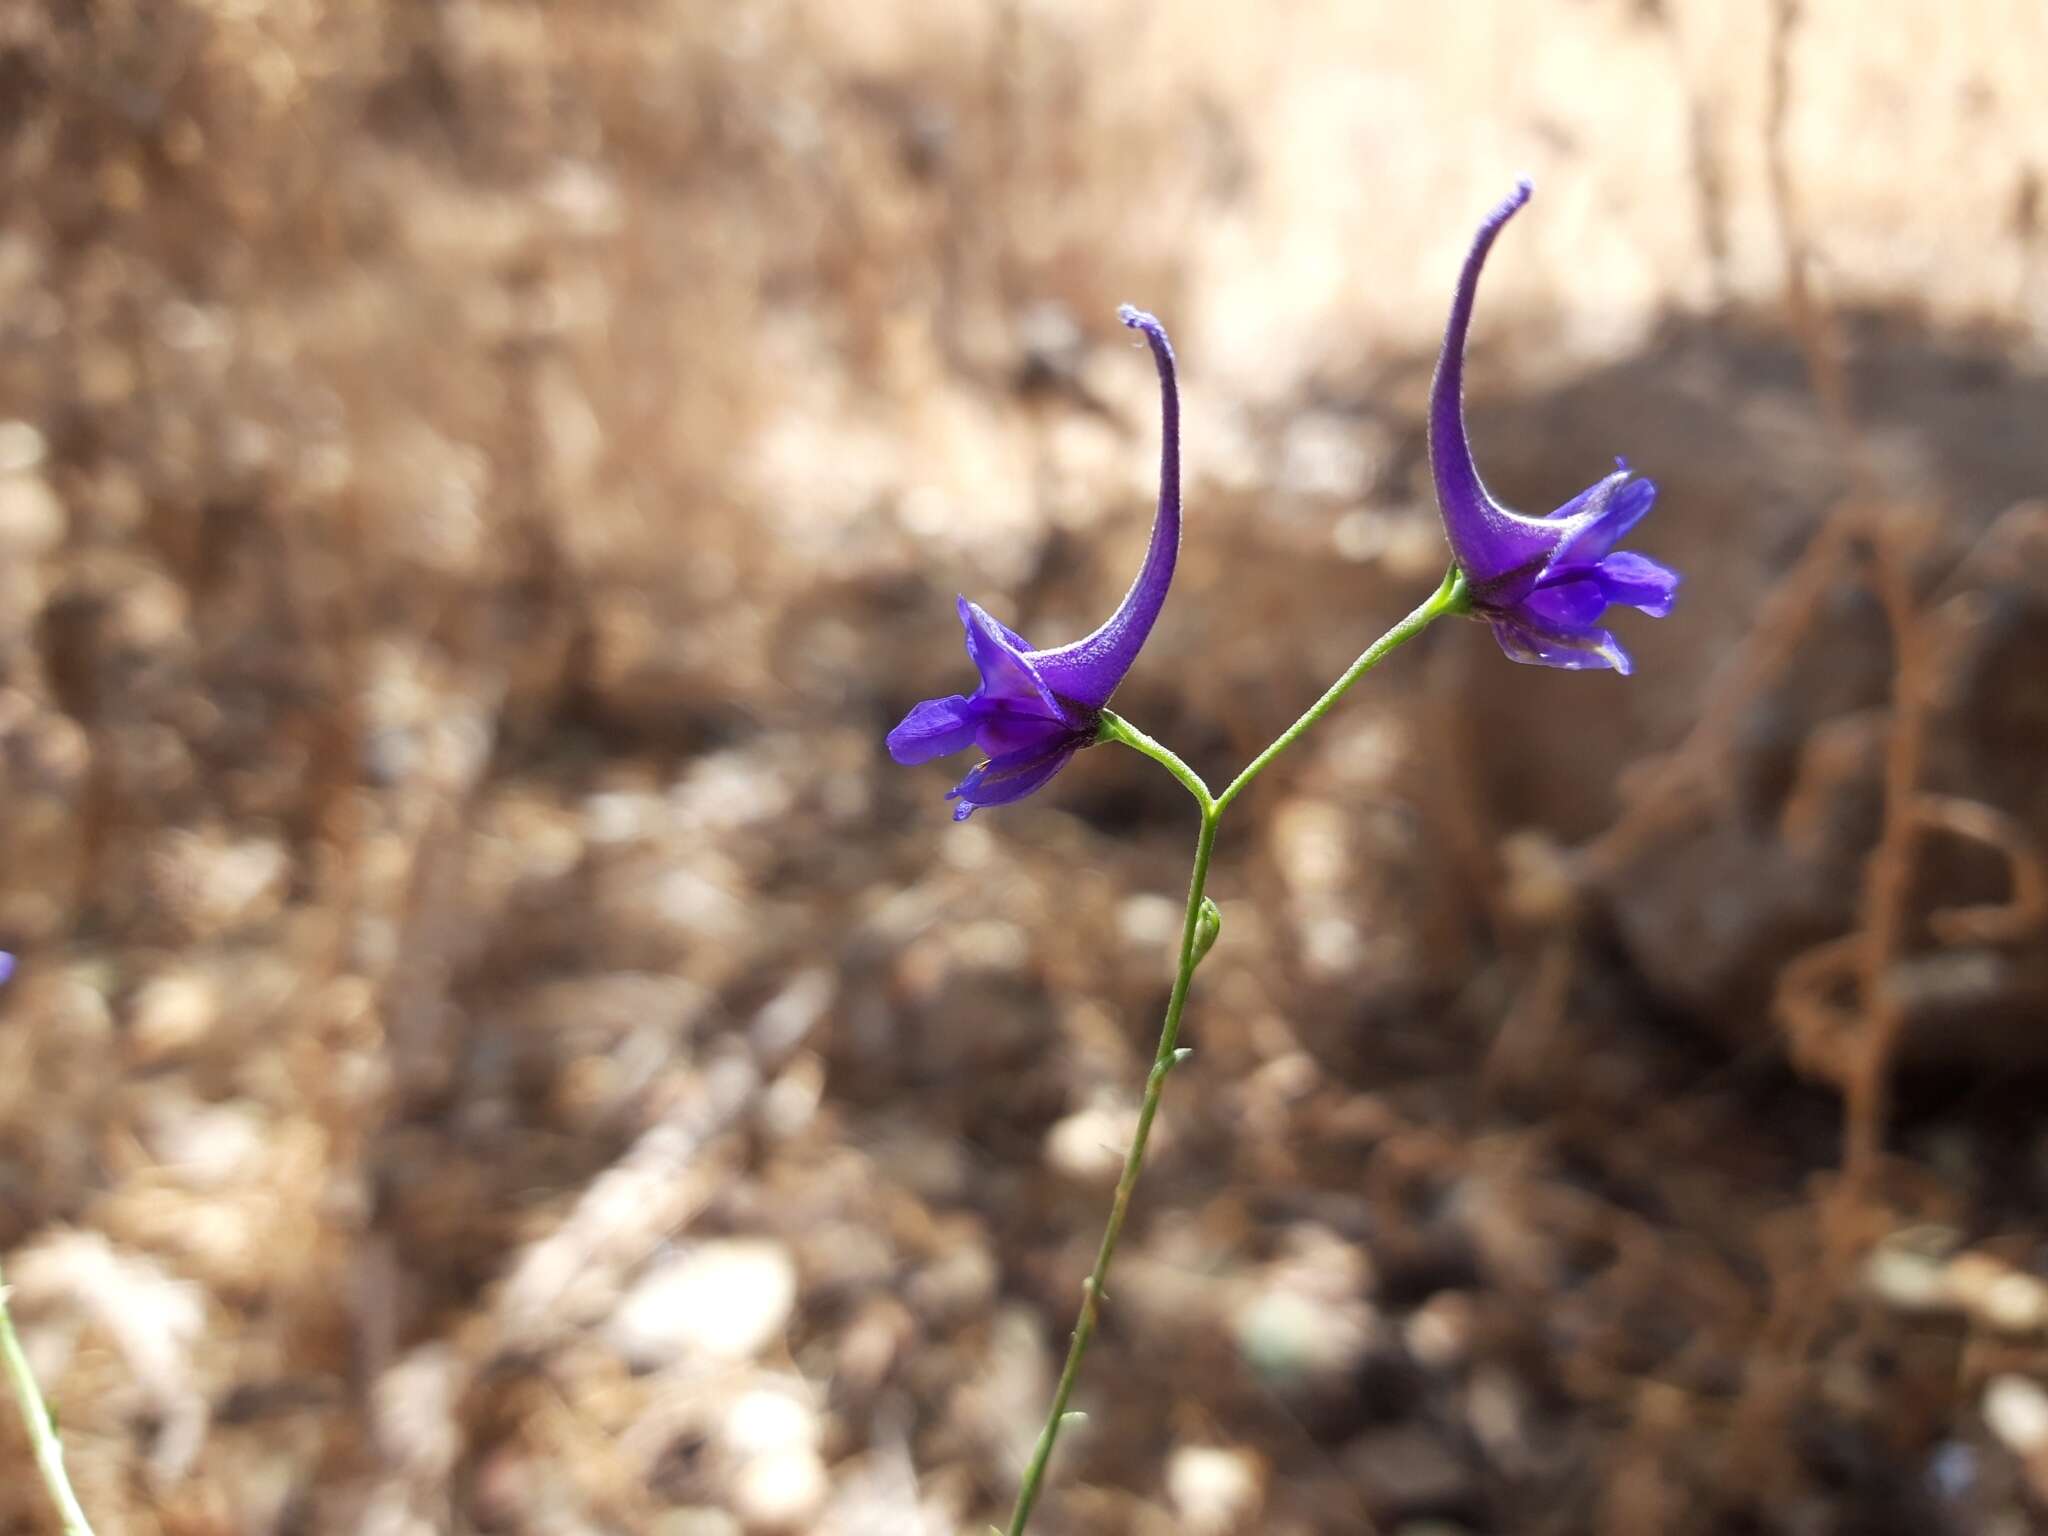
999 656
1628 504
1574 651
1568 600
934 728
1089 670
1638 582
1003 729
1594 499
1001 780
1011 638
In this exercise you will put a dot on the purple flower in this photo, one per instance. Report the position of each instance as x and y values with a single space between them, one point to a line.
1543 583
1035 709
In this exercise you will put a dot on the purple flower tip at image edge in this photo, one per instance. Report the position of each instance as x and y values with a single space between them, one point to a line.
6 967
1035 709
1543 583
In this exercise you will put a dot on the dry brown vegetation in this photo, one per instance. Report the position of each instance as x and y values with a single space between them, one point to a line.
499 1048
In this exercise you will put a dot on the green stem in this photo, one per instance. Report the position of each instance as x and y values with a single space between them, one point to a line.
42 1434
1163 1062
1450 597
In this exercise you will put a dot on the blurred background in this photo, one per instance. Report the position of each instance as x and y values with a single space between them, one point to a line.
498 1047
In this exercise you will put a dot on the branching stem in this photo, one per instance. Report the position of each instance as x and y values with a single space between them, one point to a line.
1448 598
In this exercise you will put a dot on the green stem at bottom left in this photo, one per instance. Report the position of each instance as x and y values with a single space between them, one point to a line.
42 1430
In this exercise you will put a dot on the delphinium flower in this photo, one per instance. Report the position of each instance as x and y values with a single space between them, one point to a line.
1035 709
1543 583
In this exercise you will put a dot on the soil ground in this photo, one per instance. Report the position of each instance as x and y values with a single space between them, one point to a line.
498 1047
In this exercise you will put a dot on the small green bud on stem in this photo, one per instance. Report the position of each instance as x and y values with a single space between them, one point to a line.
1208 927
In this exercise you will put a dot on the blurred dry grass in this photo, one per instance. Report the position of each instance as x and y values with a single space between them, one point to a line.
499 1048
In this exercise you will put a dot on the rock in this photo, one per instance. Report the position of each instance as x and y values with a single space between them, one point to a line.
771 1439
172 1013
1913 1270
2016 1409
1215 1488
781 1490
1305 1325
1906 1269
209 1146
32 519
414 1411
1439 1332
762 1421
1289 1336
22 448
722 1300
211 885
2002 1298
